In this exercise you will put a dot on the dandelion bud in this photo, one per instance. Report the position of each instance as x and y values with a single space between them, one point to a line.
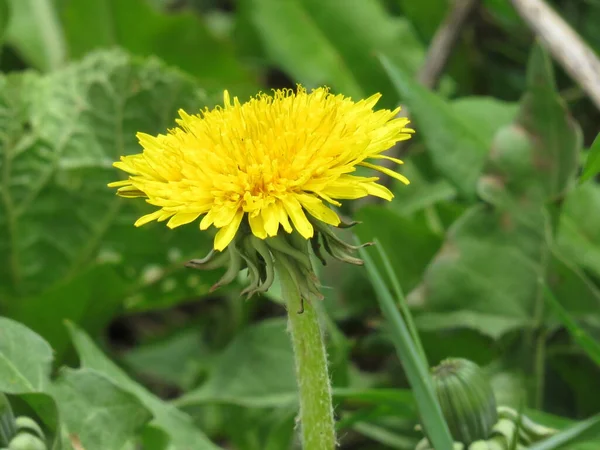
466 398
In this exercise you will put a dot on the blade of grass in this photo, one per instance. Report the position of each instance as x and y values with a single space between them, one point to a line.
407 316
578 432
418 374
585 341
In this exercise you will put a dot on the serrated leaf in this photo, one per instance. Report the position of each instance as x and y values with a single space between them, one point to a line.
96 412
35 31
255 370
335 44
22 371
592 165
457 148
183 433
59 135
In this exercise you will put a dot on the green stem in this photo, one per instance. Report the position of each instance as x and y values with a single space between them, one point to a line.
316 411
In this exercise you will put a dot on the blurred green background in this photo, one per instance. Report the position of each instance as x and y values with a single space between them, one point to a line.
494 213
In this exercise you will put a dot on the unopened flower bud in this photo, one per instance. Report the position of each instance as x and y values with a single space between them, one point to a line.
466 399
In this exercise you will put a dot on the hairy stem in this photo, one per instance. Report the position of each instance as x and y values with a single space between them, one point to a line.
316 411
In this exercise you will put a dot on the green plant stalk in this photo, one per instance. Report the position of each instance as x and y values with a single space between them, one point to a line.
402 304
316 410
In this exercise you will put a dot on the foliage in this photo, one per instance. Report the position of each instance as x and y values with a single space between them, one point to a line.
108 341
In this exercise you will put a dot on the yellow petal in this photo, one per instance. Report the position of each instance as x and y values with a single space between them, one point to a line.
389 158
130 192
388 172
294 210
379 191
119 183
283 217
148 218
271 219
181 219
226 234
257 225
208 219
346 187
318 210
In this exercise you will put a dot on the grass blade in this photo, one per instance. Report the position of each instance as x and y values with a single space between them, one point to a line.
406 315
418 374
575 433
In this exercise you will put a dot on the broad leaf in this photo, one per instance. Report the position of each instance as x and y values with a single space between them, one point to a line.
256 369
25 359
76 300
181 39
35 31
488 264
183 434
458 149
418 244
578 235
330 43
96 412
536 156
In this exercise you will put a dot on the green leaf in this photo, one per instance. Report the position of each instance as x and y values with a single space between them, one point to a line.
426 15
255 370
577 235
536 156
457 148
34 30
489 264
492 325
592 165
59 135
5 13
576 433
418 375
45 406
98 412
177 360
418 246
184 435
330 43
25 359
181 39
486 114
75 300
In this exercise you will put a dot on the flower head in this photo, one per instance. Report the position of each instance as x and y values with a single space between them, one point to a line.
273 160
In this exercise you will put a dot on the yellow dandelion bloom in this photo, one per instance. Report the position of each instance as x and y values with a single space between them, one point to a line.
272 160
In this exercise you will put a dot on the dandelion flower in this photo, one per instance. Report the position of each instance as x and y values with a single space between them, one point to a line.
277 161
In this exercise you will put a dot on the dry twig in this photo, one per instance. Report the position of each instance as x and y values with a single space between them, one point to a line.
565 45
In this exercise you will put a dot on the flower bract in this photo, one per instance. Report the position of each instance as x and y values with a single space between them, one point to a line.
270 161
